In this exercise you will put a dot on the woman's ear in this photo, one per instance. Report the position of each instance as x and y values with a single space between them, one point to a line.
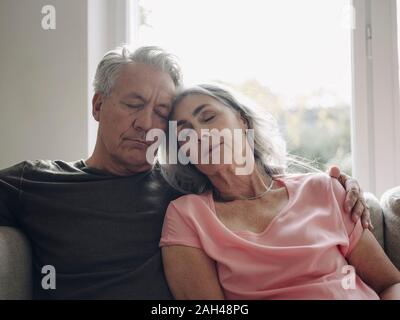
244 122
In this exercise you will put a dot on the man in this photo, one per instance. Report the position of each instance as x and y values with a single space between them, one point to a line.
98 222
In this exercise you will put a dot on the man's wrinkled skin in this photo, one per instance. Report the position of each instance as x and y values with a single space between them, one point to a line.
355 202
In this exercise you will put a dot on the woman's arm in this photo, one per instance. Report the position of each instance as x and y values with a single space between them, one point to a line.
191 274
374 267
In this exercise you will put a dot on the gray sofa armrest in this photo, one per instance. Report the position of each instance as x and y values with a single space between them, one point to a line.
390 202
15 265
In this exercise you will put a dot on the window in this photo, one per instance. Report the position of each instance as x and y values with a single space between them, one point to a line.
291 57
376 114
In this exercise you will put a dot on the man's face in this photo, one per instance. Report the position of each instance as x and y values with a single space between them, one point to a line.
140 100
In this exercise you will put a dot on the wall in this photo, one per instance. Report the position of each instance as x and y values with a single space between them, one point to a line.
43 82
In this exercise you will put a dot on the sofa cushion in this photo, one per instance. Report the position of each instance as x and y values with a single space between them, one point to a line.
390 203
15 265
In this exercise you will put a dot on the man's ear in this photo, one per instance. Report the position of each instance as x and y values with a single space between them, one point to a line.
97 102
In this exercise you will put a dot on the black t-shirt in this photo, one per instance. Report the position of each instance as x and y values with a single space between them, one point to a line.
99 231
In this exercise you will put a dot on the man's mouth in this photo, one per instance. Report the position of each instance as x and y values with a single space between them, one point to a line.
139 142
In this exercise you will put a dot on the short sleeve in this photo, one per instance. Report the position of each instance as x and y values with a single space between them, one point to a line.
10 188
178 229
353 230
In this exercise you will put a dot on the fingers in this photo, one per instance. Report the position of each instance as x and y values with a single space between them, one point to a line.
351 200
357 211
366 216
361 210
334 172
366 220
354 201
343 179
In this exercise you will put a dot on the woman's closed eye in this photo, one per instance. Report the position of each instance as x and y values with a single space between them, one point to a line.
207 116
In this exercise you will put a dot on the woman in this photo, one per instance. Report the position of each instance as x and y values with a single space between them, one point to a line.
262 234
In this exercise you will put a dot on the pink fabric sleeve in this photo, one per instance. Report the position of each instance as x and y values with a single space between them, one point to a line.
178 229
353 230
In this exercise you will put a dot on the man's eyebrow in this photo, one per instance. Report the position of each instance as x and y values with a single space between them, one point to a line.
134 96
198 109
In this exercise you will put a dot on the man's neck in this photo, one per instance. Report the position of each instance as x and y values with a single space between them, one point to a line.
114 167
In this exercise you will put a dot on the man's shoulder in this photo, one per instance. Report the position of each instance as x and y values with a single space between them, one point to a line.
14 170
53 166
29 167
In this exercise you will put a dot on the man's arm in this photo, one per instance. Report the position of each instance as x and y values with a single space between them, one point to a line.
191 274
355 202
10 188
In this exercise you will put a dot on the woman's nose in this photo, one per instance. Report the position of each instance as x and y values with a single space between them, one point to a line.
204 134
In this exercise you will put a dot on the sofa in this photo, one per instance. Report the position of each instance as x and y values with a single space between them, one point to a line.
16 257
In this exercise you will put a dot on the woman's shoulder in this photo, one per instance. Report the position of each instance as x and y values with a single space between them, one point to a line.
192 202
317 185
313 179
321 176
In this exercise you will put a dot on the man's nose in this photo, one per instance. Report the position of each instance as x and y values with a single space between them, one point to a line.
144 120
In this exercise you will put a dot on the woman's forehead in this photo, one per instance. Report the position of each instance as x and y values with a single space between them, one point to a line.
188 104
194 100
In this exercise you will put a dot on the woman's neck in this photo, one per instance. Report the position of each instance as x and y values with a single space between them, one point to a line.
232 186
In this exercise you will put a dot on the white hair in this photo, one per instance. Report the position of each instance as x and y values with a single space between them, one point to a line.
269 146
109 66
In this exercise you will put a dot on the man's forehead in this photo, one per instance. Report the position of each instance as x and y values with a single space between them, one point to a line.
143 93
145 78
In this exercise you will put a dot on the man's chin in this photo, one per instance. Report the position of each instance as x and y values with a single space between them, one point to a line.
138 162
133 159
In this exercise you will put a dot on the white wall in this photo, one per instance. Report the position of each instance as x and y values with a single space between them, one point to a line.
43 89
46 75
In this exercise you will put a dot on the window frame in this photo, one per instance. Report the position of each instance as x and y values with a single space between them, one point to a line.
375 107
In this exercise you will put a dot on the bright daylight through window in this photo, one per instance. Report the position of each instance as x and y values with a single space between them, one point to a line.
291 57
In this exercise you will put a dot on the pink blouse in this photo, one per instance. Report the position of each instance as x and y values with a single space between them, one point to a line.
300 255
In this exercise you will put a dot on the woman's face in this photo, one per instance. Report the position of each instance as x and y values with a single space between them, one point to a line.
214 126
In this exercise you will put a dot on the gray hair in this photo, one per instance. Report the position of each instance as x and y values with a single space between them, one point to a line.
109 66
269 146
